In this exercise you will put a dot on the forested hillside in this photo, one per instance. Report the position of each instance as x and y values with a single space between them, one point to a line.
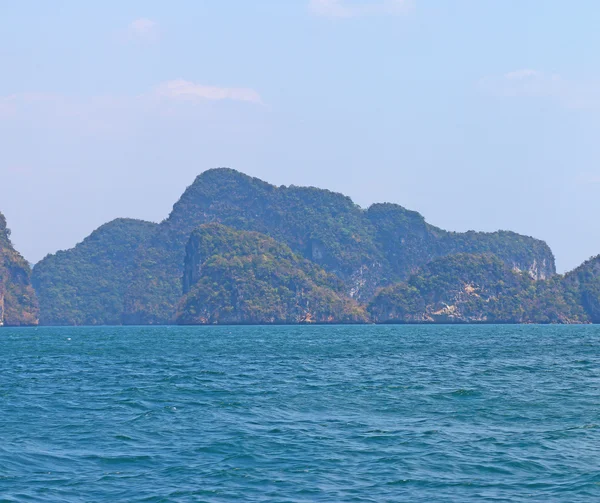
246 277
466 288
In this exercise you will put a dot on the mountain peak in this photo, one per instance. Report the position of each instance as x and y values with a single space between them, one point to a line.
223 175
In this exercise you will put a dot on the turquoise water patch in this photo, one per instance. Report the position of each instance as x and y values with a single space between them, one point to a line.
300 414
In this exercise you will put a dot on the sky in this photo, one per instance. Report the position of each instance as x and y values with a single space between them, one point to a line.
481 115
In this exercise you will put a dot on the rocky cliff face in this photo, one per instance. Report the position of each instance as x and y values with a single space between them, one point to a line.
242 277
18 302
408 242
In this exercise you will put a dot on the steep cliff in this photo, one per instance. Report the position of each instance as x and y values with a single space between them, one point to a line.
18 302
246 277
408 241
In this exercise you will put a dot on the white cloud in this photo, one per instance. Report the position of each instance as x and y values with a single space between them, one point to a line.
171 97
348 8
185 90
536 84
143 29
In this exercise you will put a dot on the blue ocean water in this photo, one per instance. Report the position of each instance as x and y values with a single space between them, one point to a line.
300 414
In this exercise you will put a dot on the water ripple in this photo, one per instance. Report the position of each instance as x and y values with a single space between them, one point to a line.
300 414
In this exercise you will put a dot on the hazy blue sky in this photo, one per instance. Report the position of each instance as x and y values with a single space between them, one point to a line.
480 114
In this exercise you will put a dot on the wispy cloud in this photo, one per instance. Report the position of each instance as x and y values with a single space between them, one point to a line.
185 90
348 8
171 97
532 83
143 29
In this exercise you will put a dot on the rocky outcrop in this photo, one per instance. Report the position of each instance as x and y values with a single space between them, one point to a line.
18 302
408 242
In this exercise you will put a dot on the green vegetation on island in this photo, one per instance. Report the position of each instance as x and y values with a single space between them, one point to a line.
246 277
467 288
365 249
408 242
18 302
583 284
88 284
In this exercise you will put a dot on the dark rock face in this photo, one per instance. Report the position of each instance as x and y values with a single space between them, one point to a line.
318 251
192 268
365 249
242 277
18 302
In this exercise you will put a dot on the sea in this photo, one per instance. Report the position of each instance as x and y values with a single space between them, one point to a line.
300 414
